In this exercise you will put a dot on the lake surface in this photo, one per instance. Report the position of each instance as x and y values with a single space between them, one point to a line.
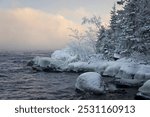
18 81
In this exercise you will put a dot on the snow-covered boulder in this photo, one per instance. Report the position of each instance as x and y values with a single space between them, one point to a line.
48 64
112 69
42 61
127 71
126 75
143 72
90 82
144 91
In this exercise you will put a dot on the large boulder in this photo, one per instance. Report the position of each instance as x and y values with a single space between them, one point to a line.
48 64
90 82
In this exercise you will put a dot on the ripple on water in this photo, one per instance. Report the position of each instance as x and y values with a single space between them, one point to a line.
17 81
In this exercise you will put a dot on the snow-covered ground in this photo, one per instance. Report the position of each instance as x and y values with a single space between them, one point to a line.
125 71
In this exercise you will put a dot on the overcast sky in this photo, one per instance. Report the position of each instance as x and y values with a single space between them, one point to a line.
43 24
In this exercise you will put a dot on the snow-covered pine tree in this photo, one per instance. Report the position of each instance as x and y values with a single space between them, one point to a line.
129 27
114 29
107 37
143 27
129 30
113 20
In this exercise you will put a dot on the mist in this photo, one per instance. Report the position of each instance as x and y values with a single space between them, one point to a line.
31 29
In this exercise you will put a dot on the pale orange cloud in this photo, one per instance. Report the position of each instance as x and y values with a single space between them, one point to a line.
26 28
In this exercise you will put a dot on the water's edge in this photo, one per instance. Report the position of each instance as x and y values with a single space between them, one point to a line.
18 81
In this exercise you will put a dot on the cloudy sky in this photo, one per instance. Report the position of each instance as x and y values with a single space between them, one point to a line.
43 24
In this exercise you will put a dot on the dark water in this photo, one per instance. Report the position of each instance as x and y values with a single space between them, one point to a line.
18 81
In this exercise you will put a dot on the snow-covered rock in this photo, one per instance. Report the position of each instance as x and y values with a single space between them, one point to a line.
90 82
112 69
80 67
143 72
116 56
48 63
101 66
42 61
127 71
144 91
126 75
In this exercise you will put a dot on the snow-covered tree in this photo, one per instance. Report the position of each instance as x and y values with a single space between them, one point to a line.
84 44
113 20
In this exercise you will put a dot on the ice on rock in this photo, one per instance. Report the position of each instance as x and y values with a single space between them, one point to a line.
127 71
42 61
101 66
143 72
49 63
65 55
144 91
116 56
126 74
80 67
90 82
112 69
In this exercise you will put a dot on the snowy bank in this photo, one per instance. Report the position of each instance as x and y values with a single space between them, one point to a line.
125 71
90 82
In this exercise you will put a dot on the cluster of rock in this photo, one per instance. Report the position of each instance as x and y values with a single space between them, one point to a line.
124 72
